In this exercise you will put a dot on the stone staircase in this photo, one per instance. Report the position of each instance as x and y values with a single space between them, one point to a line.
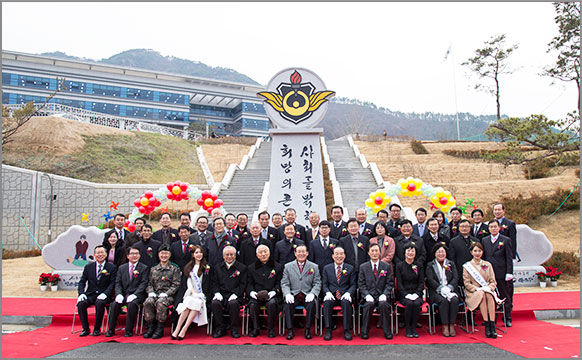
246 187
356 182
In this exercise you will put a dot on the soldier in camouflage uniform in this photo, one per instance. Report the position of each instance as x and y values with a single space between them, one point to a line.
163 284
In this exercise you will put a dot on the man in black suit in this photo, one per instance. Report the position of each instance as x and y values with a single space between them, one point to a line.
395 221
355 245
420 229
382 215
99 279
285 249
228 282
200 235
431 238
180 250
376 284
321 248
122 233
459 247
405 237
277 220
248 247
479 229
135 236
456 214
339 228
290 217
185 219
242 220
130 285
268 232
506 227
167 234
148 247
498 251
230 223
366 228
338 282
312 231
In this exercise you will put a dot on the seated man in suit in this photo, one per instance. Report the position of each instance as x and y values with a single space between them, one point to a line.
163 284
148 247
264 288
248 247
339 286
321 249
95 288
366 228
290 217
301 284
167 234
268 232
339 228
355 245
130 285
180 250
376 284
284 249
228 283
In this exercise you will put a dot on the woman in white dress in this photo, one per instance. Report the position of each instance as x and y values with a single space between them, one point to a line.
193 305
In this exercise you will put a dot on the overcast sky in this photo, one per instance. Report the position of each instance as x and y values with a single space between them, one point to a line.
391 54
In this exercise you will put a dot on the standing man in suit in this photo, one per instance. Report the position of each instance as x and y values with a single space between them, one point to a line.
376 284
248 247
479 228
95 288
431 238
268 232
130 285
456 214
180 250
122 233
277 220
312 231
167 234
420 229
301 284
290 217
405 237
148 247
321 248
382 215
135 236
366 228
497 250
200 235
284 249
355 245
339 285
506 227
229 281
459 247
185 219
229 223
242 220
339 228
395 221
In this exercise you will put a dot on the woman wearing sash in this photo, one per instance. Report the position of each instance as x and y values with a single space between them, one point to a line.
479 280
192 308
410 286
441 280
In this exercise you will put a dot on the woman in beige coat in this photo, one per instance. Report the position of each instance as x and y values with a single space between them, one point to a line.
480 288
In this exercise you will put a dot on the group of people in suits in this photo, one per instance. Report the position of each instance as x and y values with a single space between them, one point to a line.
217 267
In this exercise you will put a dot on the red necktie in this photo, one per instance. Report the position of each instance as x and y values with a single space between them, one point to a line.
184 246
131 270
301 268
338 276
375 271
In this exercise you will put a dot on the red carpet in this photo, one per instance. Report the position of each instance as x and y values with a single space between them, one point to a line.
528 337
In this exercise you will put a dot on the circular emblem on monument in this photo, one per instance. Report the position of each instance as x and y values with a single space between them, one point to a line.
296 97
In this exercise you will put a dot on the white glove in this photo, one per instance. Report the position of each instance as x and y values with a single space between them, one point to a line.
152 294
119 299
82 297
508 277
203 297
232 297
450 296
272 294
347 297
253 294
163 295
369 298
445 291
289 298
328 296
309 297
414 296
131 297
102 296
218 296
382 298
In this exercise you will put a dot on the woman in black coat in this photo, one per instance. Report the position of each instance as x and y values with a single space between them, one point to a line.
410 286
116 253
442 278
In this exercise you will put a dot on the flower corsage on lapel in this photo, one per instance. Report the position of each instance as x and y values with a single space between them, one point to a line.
344 272
310 272
360 245
344 231
382 273
190 247
386 243
294 246
104 272
135 273
500 245
272 274
331 246
414 268
164 278
298 235
482 232
149 251
484 267
206 269
447 267
366 232
235 274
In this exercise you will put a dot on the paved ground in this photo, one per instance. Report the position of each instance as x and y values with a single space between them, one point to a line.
117 350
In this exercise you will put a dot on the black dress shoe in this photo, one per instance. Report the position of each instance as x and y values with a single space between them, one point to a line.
365 336
172 337
109 333
290 334
272 333
180 338
508 322
234 334
327 335
96 332
218 333
85 332
347 335
308 333
388 335
414 333
254 333
128 333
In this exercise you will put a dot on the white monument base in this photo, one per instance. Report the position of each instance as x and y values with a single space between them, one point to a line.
69 279
525 275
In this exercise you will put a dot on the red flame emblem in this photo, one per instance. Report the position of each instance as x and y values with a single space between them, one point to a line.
295 78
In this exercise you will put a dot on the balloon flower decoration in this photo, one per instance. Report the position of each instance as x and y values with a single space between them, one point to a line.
410 187
443 200
130 226
209 201
147 203
177 190
378 200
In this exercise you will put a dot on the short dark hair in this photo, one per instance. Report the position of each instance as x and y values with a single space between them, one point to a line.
166 213
372 245
242 214
186 214
493 221
439 245
381 223
183 227
218 218
382 212
405 221
456 209
477 210
502 206
423 210
301 245
117 215
431 220
324 223
474 245
264 213
277 214
164 247
351 220
133 247
140 218
202 217
439 212
393 205
464 221
409 245
286 225
100 246
337 207
230 214
148 226
290 209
